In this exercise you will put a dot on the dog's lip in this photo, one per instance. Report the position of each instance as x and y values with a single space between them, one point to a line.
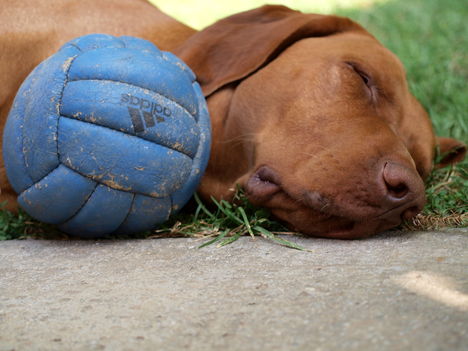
339 228
326 224
329 224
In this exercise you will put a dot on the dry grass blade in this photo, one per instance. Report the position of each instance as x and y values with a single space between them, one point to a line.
434 222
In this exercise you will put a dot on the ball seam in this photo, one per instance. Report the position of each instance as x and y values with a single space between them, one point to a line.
82 205
65 82
23 121
77 47
128 213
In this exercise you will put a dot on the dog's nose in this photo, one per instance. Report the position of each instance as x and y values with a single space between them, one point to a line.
404 191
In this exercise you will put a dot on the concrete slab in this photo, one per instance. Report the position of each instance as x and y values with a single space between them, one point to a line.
397 291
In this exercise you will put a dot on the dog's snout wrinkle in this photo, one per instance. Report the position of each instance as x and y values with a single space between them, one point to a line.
316 200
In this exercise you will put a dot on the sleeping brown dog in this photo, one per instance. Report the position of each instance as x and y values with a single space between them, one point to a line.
310 113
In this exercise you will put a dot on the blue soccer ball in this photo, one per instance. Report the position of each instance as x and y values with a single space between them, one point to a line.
108 135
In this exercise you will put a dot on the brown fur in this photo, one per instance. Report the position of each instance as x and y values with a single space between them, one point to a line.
293 119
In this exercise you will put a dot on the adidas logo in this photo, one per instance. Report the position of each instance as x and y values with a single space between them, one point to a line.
144 113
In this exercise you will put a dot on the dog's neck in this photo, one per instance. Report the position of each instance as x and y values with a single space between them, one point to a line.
228 161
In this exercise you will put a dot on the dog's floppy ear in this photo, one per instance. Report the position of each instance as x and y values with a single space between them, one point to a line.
236 46
451 151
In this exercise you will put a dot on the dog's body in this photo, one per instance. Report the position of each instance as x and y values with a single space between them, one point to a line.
310 114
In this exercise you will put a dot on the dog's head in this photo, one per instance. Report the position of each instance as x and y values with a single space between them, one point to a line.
313 117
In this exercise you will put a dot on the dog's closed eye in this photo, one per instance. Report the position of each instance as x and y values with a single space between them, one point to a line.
365 77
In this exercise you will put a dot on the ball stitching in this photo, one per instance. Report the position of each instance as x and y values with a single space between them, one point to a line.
82 205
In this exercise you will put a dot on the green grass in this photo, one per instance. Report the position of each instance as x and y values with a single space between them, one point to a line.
21 226
429 36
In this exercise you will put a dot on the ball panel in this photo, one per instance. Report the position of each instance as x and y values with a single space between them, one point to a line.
121 161
40 146
136 68
200 162
41 109
93 42
132 110
181 65
13 158
145 214
102 214
58 196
